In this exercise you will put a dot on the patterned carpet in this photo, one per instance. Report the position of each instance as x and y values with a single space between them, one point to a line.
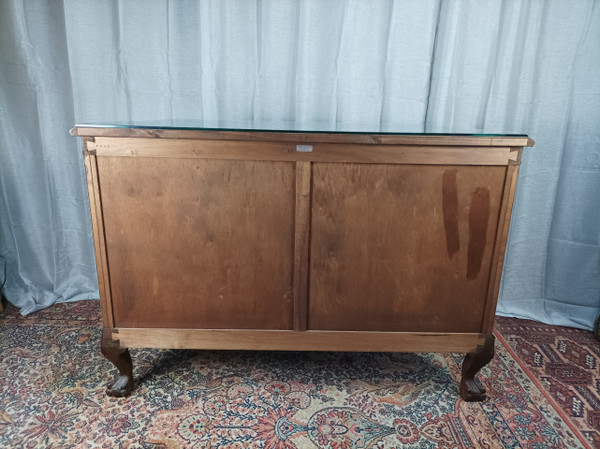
563 361
543 386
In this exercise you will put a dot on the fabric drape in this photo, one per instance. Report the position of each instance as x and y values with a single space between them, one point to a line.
457 66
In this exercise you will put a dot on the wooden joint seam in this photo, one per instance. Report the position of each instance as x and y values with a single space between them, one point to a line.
89 148
111 335
514 156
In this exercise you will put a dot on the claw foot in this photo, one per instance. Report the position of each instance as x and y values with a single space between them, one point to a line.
470 389
122 385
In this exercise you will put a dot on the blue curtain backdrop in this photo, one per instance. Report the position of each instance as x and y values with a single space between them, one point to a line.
501 66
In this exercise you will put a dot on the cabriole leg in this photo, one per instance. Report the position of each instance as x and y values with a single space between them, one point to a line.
469 389
122 385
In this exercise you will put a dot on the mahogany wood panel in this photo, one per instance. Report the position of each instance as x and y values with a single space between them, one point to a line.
199 244
297 341
402 248
274 151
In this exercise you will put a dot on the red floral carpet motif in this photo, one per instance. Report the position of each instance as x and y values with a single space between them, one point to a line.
53 380
565 362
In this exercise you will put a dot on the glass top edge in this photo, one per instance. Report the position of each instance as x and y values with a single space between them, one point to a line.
319 128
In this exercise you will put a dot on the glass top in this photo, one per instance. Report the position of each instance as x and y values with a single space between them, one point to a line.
302 127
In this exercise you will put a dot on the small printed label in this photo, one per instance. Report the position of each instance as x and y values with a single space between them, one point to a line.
304 148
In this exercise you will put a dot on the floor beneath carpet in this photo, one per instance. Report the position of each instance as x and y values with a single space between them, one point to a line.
544 392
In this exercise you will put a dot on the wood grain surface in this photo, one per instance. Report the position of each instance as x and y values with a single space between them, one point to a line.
301 245
270 340
388 255
510 186
199 244
97 217
321 152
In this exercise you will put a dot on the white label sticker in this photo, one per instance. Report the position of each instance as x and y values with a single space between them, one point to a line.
304 148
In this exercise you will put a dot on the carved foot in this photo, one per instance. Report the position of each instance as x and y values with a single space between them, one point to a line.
470 389
122 385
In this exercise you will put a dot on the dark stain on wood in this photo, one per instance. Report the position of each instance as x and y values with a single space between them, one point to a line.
478 223
450 209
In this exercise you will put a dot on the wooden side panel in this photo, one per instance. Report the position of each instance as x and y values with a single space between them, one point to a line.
91 170
402 248
508 196
199 243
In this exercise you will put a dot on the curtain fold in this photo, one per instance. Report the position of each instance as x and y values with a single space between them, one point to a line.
452 66
44 227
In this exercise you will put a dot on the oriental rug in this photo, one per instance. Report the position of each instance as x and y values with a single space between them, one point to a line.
52 380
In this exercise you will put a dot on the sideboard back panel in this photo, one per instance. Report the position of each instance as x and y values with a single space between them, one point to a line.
199 243
402 248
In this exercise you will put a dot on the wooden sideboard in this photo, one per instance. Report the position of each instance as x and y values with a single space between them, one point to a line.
279 240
